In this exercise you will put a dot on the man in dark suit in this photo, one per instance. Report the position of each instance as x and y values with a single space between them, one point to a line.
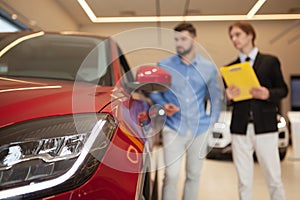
254 124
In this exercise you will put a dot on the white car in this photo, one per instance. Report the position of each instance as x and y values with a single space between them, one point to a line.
219 142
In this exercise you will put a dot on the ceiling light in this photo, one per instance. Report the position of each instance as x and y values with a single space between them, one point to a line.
195 18
249 16
19 40
255 8
87 9
14 16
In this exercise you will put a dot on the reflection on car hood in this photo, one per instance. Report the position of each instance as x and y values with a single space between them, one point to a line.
23 98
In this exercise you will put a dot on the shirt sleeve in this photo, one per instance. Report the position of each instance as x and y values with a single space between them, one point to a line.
157 98
216 96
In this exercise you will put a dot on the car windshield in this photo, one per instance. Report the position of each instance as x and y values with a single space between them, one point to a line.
54 56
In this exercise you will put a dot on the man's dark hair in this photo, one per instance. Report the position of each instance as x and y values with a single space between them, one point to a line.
246 27
186 27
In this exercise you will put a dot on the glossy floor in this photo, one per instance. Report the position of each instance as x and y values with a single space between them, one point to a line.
219 180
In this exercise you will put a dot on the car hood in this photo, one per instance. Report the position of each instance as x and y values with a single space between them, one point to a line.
24 99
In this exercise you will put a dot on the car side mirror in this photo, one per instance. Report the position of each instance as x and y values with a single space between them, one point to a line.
151 78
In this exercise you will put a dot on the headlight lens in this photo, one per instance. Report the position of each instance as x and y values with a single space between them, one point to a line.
48 153
48 150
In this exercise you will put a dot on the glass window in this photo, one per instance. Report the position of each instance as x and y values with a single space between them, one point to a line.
54 56
6 26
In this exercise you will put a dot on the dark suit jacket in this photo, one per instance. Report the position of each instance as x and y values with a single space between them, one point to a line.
267 69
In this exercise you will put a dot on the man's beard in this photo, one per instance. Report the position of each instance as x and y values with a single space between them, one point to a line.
184 52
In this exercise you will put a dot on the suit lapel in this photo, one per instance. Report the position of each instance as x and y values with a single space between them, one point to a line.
257 62
237 61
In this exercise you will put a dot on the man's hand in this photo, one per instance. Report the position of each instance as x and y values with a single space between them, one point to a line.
232 91
171 109
260 93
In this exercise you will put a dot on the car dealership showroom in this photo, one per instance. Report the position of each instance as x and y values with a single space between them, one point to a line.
103 100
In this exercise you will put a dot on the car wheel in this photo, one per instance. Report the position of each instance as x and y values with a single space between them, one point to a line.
211 156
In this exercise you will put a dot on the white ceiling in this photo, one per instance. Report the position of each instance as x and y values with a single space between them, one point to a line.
121 8
28 9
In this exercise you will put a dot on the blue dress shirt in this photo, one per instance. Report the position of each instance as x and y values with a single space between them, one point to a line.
190 89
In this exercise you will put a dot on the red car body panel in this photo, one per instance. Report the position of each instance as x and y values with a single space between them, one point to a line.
25 99
110 183
28 104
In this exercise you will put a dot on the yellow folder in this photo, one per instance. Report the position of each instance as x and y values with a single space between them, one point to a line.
243 76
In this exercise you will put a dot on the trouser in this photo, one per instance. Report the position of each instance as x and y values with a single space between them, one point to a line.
266 149
175 147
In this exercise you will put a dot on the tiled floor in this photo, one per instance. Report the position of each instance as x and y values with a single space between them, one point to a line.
219 180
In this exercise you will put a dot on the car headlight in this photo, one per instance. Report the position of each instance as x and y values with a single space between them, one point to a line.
53 154
219 125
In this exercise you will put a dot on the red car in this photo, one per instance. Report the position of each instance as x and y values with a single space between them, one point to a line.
73 124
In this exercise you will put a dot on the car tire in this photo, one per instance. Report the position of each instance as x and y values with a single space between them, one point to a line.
211 156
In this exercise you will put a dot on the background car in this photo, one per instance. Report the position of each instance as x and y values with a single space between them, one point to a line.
219 142
71 126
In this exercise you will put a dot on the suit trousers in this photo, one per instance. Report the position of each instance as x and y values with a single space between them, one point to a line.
175 147
266 149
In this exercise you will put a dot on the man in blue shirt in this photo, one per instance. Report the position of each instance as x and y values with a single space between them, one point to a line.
192 105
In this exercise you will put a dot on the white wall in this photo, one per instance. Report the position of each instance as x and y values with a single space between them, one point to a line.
55 19
213 36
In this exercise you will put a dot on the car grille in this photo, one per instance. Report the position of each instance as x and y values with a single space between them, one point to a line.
217 135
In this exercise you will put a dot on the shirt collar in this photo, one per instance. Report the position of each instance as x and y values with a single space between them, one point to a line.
194 62
252 55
